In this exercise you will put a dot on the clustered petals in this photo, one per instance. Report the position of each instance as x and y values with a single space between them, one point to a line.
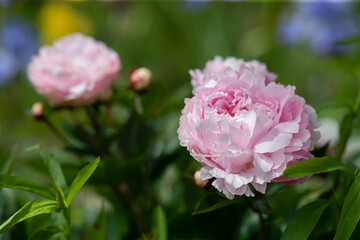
244 128
75 71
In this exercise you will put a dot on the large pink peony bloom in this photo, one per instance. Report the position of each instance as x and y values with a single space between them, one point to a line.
76 71
246 131
199 78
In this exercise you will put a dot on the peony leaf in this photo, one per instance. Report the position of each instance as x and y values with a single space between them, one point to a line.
81 178
25 185
47 233
350 213
304 221
315 166
160 224
31 209
53 166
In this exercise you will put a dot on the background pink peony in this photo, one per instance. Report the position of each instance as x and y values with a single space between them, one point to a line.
244 130
199 78
76 71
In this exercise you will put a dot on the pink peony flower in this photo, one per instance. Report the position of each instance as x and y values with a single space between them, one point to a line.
245 131
199 78
76 71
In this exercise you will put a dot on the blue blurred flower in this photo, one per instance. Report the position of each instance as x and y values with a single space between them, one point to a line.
321 24
6 3
194 6
8 67
18 43
20 39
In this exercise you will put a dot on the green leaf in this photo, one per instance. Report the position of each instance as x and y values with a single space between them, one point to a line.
350 213
7 162
56 172
46 233
304 221
60 197
53 166
81 178
315 166
346 126
98 230
25 185
31 209
160 223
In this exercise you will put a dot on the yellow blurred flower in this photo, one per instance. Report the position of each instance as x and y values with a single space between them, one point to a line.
57 19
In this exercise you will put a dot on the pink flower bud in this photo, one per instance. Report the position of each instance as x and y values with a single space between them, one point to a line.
140 79
37 111
204 184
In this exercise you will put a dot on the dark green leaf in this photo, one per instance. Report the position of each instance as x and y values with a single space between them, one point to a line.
98 230
315 166
160 224
31 209
25 185
81 178
304 221
350 213
47 233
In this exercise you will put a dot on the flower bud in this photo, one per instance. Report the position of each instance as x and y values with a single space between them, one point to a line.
204 184
140 79
37 111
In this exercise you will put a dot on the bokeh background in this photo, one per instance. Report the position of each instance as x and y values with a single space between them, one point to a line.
314 46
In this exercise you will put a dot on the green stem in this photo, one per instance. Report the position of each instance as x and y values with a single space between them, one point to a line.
110 119
95 123
125 196
261 218
54 130
95 144
138 104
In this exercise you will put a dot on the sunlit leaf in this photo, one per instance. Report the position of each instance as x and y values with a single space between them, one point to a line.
304 221
31 209
25 185
315 166
81 178
350 213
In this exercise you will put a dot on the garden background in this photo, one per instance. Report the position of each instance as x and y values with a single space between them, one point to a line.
313 46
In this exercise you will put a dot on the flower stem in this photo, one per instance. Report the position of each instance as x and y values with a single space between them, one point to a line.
125 195
55 131
138 104
110 119
95 123
261 218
